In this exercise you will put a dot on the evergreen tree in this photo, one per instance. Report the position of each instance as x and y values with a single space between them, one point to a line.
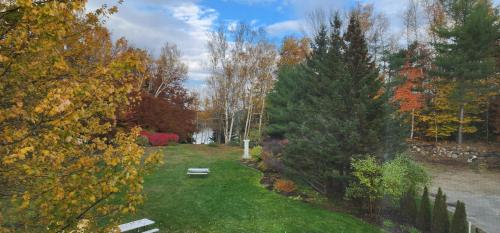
459 221
408 206
376 130
424 212
440 218
466 54
315 130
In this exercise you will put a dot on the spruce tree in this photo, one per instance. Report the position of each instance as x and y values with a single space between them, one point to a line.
376 130
459 221
315 133
440 218
408 206
424 212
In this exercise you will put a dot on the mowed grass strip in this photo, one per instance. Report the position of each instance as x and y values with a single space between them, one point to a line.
230 199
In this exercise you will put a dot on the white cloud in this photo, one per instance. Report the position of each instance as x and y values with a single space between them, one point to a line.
284 27
149 24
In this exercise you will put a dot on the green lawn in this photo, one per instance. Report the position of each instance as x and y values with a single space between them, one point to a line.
230 199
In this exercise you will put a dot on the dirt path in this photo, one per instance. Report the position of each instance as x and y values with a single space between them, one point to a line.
479 191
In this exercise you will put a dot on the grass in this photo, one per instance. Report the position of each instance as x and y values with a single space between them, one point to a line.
230 199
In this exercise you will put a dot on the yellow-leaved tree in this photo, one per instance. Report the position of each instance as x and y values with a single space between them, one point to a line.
63 160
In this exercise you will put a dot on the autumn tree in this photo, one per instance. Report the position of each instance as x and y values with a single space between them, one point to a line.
165 106
409 97
63 159
293 51
466 52
242 63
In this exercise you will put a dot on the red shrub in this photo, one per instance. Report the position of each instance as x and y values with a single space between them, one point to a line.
160 139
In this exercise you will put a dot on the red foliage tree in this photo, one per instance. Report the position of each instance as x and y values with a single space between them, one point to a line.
409 98
174 115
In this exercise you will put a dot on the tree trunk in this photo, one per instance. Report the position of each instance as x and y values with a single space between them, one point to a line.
249 115
435 128
229 137
412 123
261 114
488 120
461 125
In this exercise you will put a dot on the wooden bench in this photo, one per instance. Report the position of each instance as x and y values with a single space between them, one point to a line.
136 225
198 171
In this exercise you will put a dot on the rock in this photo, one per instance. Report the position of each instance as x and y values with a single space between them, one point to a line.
454 155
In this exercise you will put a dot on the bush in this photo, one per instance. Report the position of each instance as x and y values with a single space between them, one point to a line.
459 221
285 186
161 139
273 163
142 141
440 218
256 153
401 175
424 212
368 185
408 206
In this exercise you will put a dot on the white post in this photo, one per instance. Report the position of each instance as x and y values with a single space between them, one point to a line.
246 154
470 227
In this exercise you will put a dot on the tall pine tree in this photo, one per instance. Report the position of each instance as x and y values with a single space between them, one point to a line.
376 129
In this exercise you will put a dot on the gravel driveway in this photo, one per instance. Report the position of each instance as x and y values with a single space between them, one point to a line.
479 191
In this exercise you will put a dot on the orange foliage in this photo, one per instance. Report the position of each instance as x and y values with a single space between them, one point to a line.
408 97
285 186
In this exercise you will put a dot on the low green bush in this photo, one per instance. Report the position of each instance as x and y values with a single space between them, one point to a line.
142 141
256 153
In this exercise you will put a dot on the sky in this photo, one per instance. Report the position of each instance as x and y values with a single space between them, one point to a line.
149 24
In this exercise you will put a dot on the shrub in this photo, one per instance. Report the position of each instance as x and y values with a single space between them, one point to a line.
459 221
367 188
440 218
273 163
142 141
408 206
262 166
161 139
401 175
285 186
256 153
424 212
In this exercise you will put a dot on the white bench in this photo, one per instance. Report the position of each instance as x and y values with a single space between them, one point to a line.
136 225
152 230
198 171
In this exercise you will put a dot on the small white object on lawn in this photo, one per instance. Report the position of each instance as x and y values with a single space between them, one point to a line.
246 154
135 224
152 230
198 171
